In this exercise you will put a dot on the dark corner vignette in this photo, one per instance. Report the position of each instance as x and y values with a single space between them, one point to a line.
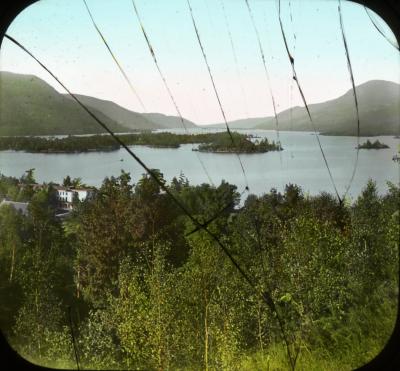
389 357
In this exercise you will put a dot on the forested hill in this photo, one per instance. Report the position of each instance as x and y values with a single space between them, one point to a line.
133 120
128 119
379 106
30 106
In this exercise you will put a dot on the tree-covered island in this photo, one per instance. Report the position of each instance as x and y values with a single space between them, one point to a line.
375 145
238 143
210 142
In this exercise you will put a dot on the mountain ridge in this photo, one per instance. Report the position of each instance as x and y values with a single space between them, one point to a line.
30 106
379 108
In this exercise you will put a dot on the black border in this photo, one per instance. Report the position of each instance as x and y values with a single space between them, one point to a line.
389 357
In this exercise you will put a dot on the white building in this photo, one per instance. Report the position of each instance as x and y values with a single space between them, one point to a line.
83 193
66 195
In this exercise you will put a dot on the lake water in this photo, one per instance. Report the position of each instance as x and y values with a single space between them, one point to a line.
300 162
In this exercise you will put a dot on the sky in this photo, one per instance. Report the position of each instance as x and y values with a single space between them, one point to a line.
61 35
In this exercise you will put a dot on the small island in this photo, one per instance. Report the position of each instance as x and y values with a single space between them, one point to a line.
375 145
238 143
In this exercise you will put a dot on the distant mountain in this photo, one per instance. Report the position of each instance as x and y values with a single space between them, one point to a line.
379 107
133 120
29 106
239 124
130 120
169 122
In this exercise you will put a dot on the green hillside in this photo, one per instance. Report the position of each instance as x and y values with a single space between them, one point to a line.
379 107
128 119
29 106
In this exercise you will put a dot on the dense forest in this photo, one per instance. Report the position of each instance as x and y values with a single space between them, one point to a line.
127 280
210 142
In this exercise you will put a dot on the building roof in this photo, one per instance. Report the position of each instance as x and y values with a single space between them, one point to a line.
19 206
82 189
61 188
70 189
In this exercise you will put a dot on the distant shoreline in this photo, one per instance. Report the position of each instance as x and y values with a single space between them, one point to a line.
218 130
217 142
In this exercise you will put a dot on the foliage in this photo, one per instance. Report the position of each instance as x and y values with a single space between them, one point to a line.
148 291
238 143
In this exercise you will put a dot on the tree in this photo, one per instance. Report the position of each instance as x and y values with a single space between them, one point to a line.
40 322
13 234
29 177
212 297
369 242
67 182
109 229
77 183
146 311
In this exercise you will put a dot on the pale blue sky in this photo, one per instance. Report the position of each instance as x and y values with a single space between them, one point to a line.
60 34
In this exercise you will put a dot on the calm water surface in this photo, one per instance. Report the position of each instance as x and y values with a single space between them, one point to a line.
300 162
